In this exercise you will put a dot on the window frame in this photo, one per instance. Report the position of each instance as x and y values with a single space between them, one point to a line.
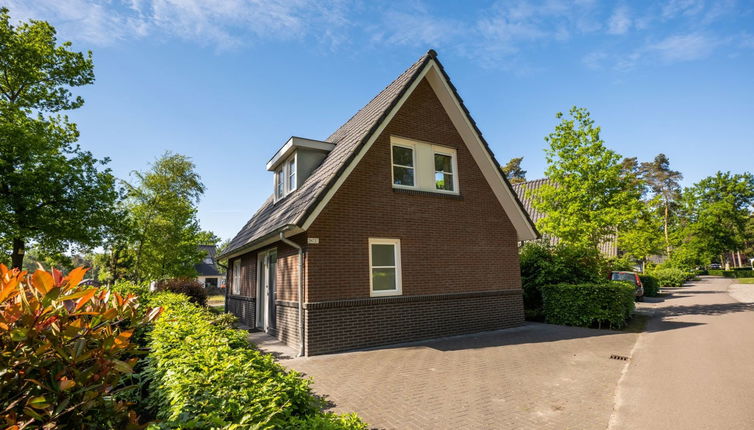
279 186
291 173
398 268
439 150
412 147
235 288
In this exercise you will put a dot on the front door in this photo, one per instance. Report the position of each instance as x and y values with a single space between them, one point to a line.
266 292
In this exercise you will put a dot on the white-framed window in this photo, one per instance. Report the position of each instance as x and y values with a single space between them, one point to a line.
384 267
291 167
236 286
279 183
285 178
403 166
444 171
423 166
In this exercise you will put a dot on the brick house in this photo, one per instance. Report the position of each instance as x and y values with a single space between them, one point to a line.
398 227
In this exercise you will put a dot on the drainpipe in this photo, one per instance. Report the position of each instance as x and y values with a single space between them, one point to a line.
300 290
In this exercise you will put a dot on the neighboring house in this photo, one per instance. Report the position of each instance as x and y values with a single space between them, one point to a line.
524 190
397 227
207 271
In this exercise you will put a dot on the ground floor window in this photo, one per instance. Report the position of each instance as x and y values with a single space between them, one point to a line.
385 267
210 282
236 286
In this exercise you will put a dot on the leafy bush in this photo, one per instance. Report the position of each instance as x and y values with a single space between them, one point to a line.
588 305
669 277
543 264
651 286
186 286
206 375
64 349
737 273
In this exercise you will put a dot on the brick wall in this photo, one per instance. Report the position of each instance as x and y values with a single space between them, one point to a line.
448 244
343 325
242 307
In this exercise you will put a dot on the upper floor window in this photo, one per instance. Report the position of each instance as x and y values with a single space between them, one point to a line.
403 166
285 178
423 166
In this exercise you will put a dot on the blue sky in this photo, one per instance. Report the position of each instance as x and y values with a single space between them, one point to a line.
228 81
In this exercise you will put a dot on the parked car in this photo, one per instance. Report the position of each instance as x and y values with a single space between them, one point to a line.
715 266
633 278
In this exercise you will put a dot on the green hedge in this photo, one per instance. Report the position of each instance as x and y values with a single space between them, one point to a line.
671 277
587 305
737 273
651 285
204 374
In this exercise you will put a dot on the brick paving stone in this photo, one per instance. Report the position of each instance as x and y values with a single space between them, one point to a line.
536 376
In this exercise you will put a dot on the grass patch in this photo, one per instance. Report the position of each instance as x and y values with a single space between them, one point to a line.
745 280
216 302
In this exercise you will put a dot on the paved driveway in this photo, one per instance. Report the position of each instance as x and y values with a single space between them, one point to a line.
536 376
694 367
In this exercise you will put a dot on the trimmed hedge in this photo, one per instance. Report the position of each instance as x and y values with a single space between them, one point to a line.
651 286
588 305
735 273
189 287
206 375
669 277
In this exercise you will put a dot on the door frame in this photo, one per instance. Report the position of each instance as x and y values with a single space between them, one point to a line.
265 291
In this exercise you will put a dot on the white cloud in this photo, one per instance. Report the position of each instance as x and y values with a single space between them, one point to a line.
675 8
620 21
414 25
683 47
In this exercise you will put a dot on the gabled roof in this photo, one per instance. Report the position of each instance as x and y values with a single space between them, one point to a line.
298 209
204 269
526 198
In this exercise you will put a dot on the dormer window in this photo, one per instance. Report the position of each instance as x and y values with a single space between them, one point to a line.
294 162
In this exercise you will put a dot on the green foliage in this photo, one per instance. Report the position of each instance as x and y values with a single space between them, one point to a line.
52 193
191 288
716 213
206 375
651 285
162 214
671 276
664 184
513 171
543 264
65 348
588 305
591 196
737 273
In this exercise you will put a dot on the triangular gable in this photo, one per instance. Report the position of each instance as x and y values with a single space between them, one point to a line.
433 71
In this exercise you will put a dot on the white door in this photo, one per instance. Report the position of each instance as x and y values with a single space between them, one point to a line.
266 292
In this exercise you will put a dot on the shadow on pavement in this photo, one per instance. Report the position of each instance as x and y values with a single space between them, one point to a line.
712 309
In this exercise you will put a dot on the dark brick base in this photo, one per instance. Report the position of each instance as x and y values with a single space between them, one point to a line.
338 326
244 308
286 321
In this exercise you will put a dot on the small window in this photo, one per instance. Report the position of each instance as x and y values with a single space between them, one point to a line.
208 260
236 287
385 267
403 166
279 183
292 174
444 172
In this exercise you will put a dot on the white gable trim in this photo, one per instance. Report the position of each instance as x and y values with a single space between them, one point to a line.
524 228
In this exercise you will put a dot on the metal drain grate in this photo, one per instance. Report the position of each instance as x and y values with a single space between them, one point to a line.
619 357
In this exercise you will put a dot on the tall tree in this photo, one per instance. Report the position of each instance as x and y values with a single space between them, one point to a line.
717 211
162 206
665 183
590 198
52 193
513 171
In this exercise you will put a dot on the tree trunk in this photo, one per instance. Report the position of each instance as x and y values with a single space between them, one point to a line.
17 257
738 256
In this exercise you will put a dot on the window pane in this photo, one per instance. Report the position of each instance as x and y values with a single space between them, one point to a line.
403 156
383 279
443 181
383 255
443 163
403 176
